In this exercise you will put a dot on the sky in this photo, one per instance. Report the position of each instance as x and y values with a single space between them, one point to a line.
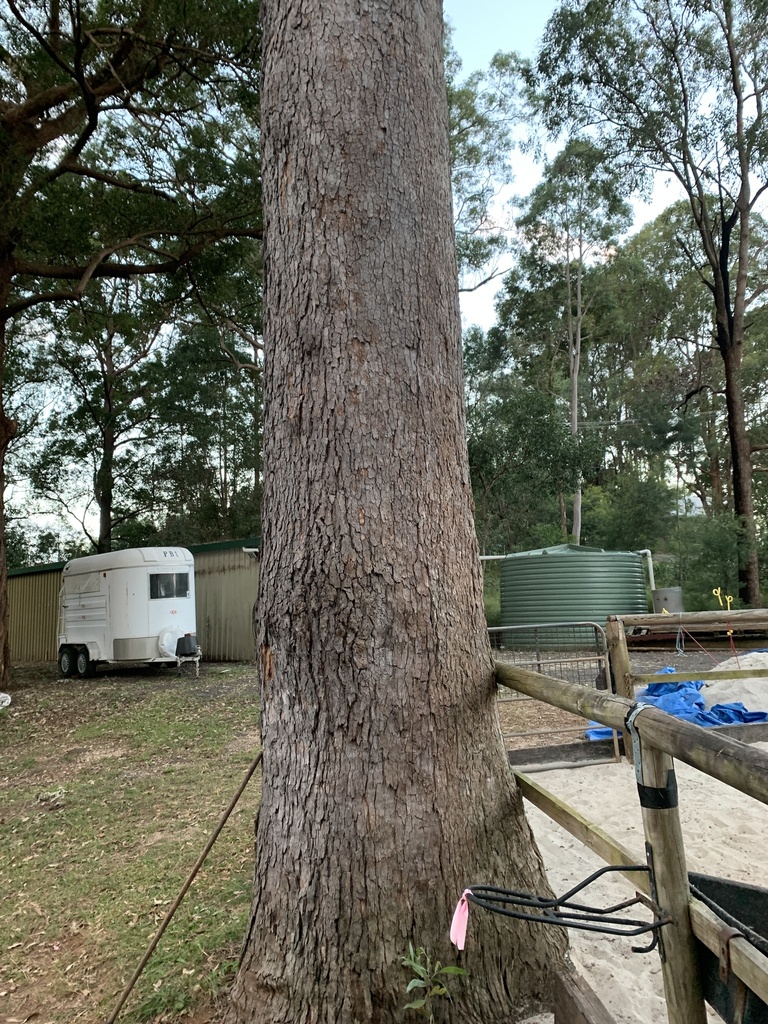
480 29
483 27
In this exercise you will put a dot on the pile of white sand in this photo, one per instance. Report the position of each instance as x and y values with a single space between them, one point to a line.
751 692
725 834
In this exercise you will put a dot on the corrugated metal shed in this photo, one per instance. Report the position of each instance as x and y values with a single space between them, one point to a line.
226 581
33 597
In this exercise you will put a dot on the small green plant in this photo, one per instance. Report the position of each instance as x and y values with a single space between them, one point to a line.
429 980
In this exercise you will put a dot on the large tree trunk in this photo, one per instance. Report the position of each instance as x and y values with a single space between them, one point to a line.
7 433
8 428
741 461
385 784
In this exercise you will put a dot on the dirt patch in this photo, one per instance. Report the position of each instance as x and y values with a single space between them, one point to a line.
247 743
67 765
60 976
550 726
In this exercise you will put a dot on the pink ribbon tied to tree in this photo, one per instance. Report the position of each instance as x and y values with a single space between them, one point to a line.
459 922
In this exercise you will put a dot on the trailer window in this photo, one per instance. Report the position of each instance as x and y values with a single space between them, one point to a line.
169 584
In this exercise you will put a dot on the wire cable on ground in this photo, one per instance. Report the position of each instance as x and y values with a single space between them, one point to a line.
183 892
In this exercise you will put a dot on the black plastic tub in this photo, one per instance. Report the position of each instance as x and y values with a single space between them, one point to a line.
744 907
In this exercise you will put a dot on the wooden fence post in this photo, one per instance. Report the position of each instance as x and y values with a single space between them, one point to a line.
618 653
657 789
621 670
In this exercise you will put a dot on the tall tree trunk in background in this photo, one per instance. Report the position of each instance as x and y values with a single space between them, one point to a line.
741 461
104 485
563 519
385 783
574 320
575 369
575 359
730 325
8 429
7 433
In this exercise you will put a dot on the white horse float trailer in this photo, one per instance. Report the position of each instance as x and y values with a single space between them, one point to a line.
136 605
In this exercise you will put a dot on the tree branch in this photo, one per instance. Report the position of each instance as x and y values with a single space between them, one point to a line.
71 166
114 271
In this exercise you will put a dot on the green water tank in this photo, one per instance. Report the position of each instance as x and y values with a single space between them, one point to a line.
570 583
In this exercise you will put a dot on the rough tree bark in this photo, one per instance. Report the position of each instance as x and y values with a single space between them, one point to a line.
385 785
8 428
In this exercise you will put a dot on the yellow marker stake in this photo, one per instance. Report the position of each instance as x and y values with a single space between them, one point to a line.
717 592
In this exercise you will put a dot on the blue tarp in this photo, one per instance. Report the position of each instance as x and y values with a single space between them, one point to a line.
684 701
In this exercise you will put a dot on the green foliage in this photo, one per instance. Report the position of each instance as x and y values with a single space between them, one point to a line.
628 514
29 544
144 162
521 452
578 209
651 393
705 556
667 77
159 431
207 460
155 158
483 108
429 982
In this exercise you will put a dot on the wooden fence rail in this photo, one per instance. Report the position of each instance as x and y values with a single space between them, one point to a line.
723 758
684 677
719 619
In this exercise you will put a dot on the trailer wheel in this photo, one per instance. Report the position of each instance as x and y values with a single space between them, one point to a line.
67 666
84 664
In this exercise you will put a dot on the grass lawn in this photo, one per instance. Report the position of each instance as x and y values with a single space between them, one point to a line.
109 789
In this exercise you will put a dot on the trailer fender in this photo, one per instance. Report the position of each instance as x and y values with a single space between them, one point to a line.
94 654
167 640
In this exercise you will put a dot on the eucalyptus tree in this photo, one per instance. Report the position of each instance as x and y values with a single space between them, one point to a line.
205 466
99 432
675 385
572 220
483 110
681 87
385 781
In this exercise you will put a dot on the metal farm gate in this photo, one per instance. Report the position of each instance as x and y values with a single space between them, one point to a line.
576 652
